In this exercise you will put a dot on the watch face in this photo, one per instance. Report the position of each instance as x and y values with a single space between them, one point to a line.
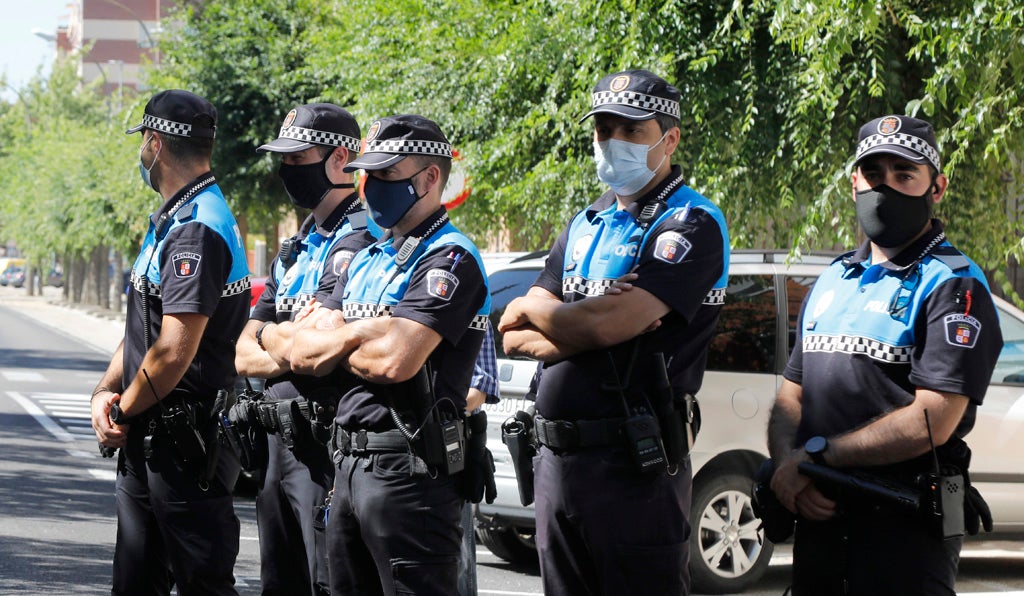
816 445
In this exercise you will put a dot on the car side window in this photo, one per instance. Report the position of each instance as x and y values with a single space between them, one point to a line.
507 285
746 335
796 291
1010 365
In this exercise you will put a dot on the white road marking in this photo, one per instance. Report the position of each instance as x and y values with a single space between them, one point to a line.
18 375
45 421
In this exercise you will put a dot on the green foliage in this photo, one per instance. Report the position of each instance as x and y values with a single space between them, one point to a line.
774 92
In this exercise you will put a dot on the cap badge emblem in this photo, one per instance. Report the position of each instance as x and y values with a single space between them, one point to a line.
619 83
289 119
889 125
374 129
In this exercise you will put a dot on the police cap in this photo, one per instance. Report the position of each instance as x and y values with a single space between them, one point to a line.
180 113
315 124
910 138
634 94
392 139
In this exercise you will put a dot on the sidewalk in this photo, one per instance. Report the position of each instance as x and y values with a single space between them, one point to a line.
100 328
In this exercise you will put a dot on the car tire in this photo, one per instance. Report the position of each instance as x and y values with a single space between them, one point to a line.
509 544
728 551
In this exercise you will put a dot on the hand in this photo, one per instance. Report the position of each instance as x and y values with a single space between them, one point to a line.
307 310
621 284
107 433
333 319
813 505
788 482
514 315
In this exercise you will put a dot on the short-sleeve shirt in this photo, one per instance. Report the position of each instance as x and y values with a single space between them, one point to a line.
323 254
681 257
870 335
192 262
442 286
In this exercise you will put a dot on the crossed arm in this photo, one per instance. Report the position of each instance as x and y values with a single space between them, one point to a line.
541 326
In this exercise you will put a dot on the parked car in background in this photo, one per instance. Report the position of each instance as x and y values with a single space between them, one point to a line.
756 330
55 278
13 276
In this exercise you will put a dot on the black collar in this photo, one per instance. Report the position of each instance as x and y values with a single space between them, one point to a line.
908 257
607 199
336 218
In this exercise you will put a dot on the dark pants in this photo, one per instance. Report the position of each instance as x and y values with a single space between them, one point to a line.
169 528
874 553
292 486
467 559
605 528
392 530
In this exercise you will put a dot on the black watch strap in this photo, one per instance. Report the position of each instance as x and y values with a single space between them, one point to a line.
259 335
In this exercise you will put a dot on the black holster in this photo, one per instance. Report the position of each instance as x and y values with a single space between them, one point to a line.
478 475
517 433
776 520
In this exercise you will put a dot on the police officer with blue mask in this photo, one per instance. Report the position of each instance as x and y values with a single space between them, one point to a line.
615 406
896 344
316 142
188 301
415 307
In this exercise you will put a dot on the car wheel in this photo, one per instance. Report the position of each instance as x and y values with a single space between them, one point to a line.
727 550
509 544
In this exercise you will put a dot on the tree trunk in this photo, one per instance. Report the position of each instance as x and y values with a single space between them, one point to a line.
78 269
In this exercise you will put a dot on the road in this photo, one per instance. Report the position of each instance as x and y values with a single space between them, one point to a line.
57 524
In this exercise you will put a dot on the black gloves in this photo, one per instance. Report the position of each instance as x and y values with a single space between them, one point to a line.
478 475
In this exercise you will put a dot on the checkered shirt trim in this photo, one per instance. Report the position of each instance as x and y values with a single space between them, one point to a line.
641 101
293 303
586 287
598 287
847 344
365 311
404 146
319 137
479 323
232 289
168 126
903 140
715 298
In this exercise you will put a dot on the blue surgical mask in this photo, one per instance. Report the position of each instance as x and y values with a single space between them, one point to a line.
147 173
389 200
623 165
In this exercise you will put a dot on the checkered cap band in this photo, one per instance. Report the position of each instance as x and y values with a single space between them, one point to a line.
850 344
409 146
168 126
915 144
319 137
640 101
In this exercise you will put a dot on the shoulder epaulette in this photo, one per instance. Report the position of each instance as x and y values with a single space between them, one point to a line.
951 257
186 213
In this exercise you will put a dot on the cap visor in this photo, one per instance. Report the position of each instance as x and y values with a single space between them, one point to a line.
374 161
904 152
133 130
620 110
284 146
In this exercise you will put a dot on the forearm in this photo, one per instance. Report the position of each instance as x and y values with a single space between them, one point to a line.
113 377
165 364
528 341
900 435
391 350
782 428
319 351
253 361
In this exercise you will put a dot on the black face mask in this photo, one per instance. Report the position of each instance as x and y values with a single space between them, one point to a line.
891 218
308 184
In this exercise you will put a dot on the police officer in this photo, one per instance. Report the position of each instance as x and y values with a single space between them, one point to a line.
895 337
611 516
316 141
187 303
415 307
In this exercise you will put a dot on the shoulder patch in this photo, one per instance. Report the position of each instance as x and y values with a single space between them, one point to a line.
671 247
186 264
441 284
962 330
341 260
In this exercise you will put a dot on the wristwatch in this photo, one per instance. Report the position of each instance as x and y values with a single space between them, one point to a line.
117 415
259 335
816 448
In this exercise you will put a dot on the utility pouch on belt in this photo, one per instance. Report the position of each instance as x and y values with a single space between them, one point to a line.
240 426
517 435
180 424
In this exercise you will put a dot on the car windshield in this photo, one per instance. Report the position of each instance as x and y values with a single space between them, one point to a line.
1010 366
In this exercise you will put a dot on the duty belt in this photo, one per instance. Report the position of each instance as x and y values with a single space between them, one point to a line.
362 441
566 434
